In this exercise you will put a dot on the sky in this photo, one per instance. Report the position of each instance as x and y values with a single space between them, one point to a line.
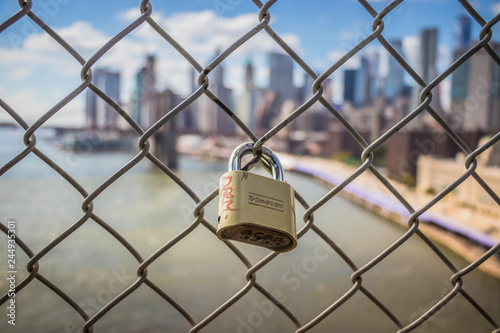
36 72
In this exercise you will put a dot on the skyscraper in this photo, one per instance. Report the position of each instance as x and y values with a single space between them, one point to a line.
463 32
163 143
145 90
211 118
305 91
459 84
475 86
281 76
375 83
427 71
395 76
247 102
362 83
480 109
249 84
428 53
460 77
149 106
349 78
99 114
280 90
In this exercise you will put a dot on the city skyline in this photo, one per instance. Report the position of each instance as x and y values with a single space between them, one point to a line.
318 44
363 88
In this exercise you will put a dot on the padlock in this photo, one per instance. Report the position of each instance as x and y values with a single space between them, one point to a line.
256 209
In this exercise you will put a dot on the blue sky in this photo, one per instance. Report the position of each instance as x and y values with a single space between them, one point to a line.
36 72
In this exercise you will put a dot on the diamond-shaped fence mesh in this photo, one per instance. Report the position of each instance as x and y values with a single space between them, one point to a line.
363 276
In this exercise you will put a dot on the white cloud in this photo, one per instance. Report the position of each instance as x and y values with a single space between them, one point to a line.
18 74
36 78
26 103
206 24
51 72
80 35
202 34
129 15
495 8
39 73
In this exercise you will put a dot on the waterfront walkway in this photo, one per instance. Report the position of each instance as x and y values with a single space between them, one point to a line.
465 231
443 222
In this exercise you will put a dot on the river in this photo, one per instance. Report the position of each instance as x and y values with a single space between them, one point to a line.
200 272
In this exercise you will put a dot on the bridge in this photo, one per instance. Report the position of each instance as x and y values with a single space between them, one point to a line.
5 124
164 144
61 130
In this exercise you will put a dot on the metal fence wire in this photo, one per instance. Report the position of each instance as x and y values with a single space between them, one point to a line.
262 26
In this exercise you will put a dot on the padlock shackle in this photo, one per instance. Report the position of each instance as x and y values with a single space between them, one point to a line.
269 160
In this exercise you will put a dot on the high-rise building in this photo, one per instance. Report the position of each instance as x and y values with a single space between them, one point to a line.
163 144
145 81
281 76
427 71
394 81
479 110
460 79
249 84
460 76
211 117
247 102
149 105
349 78
428 54
375 82
463 32
328 89
191 116
475 86
362 83
280 90
305 92
99 114
317 118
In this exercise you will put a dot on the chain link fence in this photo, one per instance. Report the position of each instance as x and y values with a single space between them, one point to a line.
262 26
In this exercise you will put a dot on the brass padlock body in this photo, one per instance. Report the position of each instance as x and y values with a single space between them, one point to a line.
257 210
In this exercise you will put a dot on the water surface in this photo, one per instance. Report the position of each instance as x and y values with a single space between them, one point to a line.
200 272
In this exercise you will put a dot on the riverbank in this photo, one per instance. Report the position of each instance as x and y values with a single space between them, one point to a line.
465 231
457 229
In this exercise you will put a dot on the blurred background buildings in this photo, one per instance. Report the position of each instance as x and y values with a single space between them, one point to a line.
371 102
